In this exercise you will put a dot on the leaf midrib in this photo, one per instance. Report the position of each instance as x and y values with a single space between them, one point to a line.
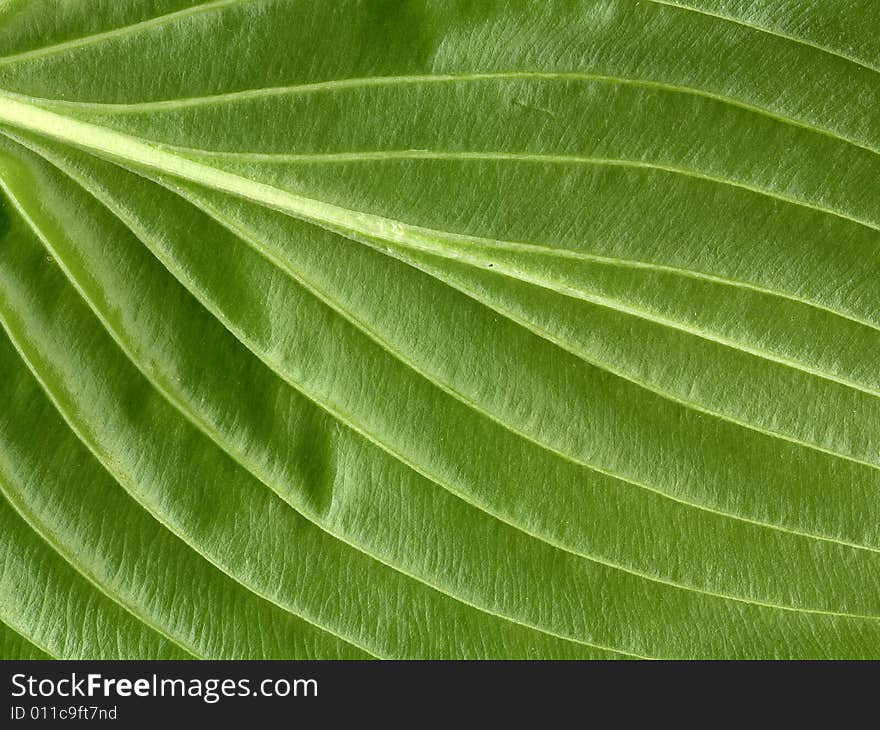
512 156
541 248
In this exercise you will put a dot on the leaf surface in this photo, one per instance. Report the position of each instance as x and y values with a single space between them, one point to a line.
440 330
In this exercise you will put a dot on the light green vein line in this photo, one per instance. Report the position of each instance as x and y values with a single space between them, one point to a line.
30 640
489 156
348 421
613 304
119 32
206 428
536 248
160 20
417 79
442 244
24 512
625 263
767 30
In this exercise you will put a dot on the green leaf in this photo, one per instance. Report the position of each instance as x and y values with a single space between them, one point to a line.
440 330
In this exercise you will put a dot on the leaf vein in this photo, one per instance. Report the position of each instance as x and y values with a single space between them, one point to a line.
416 79
120 31
30 519
480 156
30 640
767 30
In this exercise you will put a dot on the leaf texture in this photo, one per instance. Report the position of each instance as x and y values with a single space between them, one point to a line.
440 330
